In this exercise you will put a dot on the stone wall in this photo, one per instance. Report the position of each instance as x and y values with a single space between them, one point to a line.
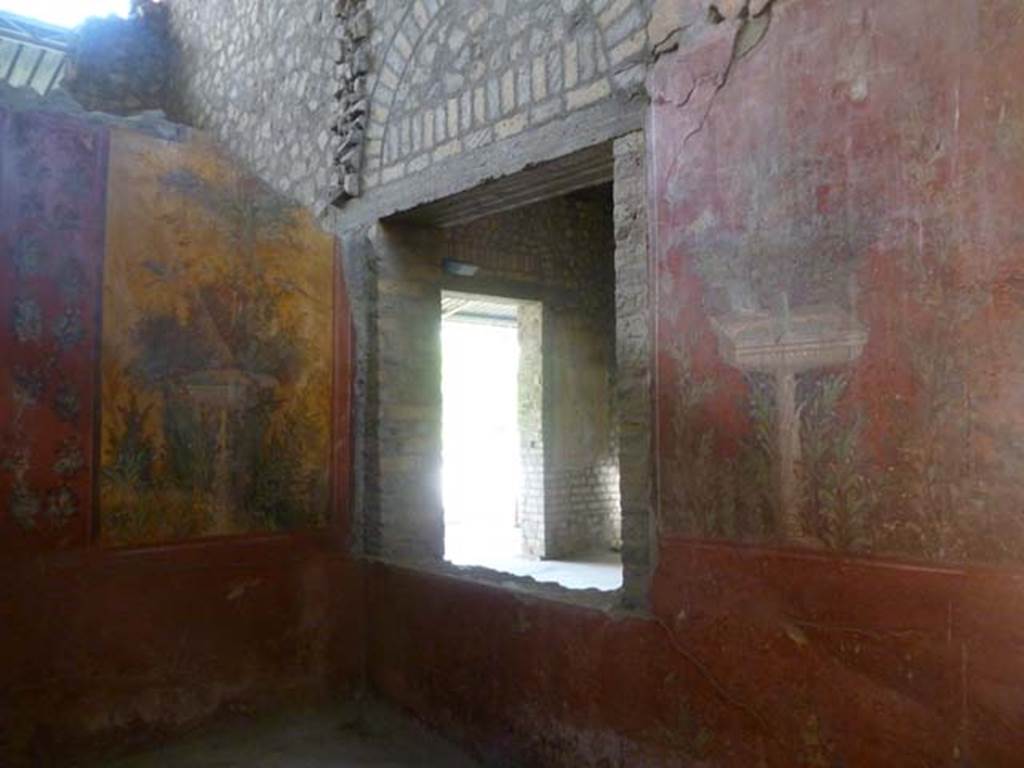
531 428
554 245
455 75
634 353
261 77
443 78
581 491
403 516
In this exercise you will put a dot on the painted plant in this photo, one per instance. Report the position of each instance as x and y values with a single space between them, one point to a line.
840 308
765 445
216 366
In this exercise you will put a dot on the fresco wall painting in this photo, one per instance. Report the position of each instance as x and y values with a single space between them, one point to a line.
839 303
51 249
215 364
217 369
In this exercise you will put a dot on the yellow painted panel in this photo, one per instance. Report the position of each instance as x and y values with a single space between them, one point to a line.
217 334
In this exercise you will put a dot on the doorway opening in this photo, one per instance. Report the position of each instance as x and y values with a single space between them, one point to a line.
562 248
530 463
480 428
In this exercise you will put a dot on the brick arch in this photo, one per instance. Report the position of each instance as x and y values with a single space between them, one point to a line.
608 17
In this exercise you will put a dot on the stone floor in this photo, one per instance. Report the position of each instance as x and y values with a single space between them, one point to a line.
600 570
373 738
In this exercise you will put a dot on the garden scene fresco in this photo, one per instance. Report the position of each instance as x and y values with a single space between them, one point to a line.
216 372
840 352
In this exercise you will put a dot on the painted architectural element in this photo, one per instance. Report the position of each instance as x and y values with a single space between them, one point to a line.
840 330
216 351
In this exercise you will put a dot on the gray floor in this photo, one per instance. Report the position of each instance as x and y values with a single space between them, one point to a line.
373 738
601 570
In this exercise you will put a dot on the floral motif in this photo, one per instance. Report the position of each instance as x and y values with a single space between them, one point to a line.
70 460
48 275
27 320
17 461
68 329
31 206
67 403
29 384
61 505
66 218
24 506
28 256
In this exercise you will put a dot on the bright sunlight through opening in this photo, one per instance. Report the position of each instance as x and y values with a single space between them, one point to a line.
65 13
481 442
483 344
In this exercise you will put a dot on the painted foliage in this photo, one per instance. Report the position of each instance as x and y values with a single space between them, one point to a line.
840 313
51 248
217 340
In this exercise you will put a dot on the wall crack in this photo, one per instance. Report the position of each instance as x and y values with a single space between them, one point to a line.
751 31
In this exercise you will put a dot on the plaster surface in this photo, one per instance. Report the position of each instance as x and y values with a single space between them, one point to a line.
793 179
105 645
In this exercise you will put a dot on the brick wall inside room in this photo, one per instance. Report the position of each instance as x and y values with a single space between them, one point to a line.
455 75
633 362
403 512
531 428
581 483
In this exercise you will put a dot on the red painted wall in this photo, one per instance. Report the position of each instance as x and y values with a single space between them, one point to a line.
52 215
104 648
752 657
866 156
867 168
884 135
